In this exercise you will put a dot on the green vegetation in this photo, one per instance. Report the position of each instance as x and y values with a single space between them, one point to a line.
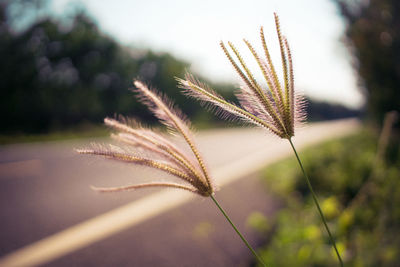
358 195
84 130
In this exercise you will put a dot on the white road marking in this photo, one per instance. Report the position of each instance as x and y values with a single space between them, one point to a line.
124 217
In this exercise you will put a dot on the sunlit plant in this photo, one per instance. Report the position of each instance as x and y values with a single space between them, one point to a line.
146 147
275 107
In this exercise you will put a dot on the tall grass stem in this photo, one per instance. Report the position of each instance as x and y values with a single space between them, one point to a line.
316 203
238 232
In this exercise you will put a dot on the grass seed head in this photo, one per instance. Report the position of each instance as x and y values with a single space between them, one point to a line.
278 108
155 151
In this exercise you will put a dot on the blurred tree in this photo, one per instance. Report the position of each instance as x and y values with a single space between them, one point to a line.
373 36
317 111
21 13
52 77
58 76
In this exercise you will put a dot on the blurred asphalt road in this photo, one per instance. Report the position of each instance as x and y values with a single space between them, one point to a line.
44 189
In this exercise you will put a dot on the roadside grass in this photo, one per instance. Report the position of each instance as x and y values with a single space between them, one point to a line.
89 130
80 131
367 231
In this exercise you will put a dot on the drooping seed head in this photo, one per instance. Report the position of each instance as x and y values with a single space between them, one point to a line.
161 153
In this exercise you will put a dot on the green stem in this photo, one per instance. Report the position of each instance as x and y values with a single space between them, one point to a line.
316 203
238 232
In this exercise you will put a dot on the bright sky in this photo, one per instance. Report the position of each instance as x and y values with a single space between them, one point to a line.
191 30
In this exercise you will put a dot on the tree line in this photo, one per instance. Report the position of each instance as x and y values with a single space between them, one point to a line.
55 77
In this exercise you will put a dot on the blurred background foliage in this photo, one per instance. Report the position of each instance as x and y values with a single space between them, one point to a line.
358 195
373 37
60 73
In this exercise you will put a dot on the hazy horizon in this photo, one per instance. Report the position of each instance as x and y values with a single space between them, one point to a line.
191 31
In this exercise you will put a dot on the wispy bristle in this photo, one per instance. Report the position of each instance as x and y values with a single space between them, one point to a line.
207 97
226 109
300 105
152 142
249 102
162 108
125 157
152 149
146 185
290 100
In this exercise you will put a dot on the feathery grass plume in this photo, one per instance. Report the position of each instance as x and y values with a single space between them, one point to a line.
155 151
160 153
278 109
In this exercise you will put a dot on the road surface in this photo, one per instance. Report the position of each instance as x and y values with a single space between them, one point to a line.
50 216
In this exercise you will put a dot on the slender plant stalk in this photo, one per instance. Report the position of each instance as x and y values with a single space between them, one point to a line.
238 232
316 202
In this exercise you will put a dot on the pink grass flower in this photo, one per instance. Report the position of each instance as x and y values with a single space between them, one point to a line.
160 153
276 106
